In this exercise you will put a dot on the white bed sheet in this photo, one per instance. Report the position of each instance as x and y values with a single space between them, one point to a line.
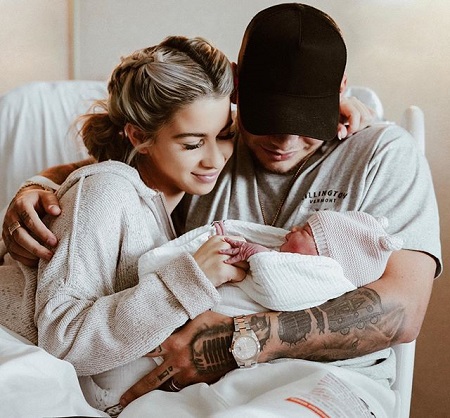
34 384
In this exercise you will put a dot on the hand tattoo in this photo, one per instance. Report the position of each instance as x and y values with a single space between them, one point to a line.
165 373
156 350
210 350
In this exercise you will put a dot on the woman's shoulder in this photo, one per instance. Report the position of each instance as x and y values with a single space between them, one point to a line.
104 177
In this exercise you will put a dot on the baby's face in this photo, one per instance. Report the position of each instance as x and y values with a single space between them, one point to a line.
300 240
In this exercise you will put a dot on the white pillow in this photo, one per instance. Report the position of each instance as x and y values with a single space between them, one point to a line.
36 128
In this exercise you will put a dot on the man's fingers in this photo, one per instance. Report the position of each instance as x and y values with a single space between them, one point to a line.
33 223
18 253
158 351
50 204
149 382
25 245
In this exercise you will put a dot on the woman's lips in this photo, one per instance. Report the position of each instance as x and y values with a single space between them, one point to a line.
207 178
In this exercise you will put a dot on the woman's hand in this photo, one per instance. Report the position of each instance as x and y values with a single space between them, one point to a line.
26 243
213 263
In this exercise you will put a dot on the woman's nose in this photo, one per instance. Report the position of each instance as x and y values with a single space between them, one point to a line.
214 157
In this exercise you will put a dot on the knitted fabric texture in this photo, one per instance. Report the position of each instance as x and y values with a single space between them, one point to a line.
357 240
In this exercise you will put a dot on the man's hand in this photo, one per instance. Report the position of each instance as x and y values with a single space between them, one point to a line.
354 116
199 352
27 243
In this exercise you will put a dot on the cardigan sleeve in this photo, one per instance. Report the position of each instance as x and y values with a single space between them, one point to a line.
91 308
289 282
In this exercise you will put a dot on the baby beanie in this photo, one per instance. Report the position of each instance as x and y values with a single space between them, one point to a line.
356 240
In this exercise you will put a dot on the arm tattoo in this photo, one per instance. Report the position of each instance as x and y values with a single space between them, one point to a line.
210 350
260 324
353 324
356 309
294 326
318 315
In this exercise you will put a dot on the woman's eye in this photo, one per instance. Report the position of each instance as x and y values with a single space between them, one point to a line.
193 146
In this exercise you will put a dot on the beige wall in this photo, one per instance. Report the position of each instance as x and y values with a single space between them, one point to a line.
400 48
34 39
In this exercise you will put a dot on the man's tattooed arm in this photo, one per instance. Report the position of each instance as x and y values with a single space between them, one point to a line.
349 326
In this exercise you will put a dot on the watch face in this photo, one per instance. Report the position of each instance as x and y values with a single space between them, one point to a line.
245 348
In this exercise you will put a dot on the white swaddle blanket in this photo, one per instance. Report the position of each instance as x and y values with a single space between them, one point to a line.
276 281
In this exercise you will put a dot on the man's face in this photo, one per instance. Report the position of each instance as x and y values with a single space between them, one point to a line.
279 153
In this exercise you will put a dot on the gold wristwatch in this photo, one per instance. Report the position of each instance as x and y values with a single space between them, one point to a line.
245 346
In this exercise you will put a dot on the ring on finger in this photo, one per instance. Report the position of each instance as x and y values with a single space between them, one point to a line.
15 225
173 386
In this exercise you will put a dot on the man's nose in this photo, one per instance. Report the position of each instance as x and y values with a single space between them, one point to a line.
284 138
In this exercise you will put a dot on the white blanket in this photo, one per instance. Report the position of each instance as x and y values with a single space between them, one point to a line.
288 388
34 384
277 281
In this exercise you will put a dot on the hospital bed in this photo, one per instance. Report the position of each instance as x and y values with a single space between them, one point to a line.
37 131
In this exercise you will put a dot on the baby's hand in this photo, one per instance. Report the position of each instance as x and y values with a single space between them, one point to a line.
240 250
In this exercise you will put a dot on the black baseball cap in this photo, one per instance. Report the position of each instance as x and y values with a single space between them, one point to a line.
291 65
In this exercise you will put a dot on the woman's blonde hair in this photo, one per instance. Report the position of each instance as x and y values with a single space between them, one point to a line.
148 87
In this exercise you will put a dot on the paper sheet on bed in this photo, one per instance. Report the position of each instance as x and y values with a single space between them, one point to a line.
35 384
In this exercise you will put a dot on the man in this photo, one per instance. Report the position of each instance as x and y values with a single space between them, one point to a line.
288 164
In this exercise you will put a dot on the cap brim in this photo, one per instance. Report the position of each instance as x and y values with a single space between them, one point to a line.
272 114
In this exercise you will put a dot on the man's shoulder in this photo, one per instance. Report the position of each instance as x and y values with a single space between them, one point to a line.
376 140
382 133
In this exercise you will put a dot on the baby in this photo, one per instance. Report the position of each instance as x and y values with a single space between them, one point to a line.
333 253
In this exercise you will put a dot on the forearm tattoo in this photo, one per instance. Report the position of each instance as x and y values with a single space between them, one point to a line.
294 326
261 327
357 317
210 350
318 315
356 309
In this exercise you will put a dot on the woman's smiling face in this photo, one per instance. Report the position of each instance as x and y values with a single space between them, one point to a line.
188 153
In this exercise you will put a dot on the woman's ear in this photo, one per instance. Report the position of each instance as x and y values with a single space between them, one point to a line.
136 137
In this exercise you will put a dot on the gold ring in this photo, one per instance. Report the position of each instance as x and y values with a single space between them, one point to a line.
15 225
173 387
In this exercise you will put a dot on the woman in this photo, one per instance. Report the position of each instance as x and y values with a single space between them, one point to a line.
165 130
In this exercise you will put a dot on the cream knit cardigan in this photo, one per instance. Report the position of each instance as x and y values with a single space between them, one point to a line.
91 308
